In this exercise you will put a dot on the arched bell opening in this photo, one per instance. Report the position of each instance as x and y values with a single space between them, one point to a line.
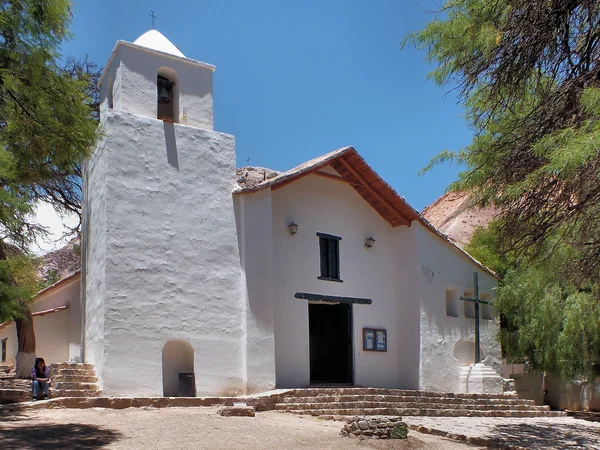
167 95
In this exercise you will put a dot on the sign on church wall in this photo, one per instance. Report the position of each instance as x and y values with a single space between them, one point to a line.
374 340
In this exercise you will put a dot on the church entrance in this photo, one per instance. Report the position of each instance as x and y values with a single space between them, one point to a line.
330 334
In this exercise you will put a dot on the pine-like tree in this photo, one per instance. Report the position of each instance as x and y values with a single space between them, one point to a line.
47 128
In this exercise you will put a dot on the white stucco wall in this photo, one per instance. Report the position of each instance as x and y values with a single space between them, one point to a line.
133 71
93 256
9 332
441 267
172 266
52 336
68 346
58 334
255 236
384 273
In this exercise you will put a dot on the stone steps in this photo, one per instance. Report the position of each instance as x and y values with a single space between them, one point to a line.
73 366
325 413
408 398
74 386
74 378
74 372
406 405
55 393
315 392
336 402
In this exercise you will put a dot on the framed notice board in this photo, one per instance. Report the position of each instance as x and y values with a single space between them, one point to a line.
374 340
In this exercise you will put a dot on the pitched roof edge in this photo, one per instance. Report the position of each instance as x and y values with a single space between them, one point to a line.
58 284
299 170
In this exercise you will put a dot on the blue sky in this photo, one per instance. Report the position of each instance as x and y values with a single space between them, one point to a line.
296 79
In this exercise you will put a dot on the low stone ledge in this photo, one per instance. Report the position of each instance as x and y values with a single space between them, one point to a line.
472 440
376 427
14 395
236 411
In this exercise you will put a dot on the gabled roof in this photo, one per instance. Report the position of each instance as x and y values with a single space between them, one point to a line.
355 171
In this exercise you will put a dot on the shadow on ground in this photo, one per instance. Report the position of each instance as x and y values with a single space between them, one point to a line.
590 416
12 413
56 436
555 436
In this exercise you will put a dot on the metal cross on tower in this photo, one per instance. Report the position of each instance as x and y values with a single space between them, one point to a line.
153 17
477 302
248 161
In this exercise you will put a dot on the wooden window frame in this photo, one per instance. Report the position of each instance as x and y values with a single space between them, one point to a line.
332 263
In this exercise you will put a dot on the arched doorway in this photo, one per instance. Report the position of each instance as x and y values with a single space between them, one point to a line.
177 357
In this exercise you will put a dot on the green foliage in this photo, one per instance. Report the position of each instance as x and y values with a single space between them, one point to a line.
528 74
48 125
53 277
548 321
400 431
485 246
18 281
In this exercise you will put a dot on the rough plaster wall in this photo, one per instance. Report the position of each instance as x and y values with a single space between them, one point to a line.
138 93
383 273
112 78
9 332
52 336
93 246
255 236
172 260
441 267
65 295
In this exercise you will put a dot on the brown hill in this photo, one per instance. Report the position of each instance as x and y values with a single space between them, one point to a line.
60 263
454 216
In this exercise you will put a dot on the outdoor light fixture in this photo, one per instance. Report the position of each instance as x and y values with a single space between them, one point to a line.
370 242
293 228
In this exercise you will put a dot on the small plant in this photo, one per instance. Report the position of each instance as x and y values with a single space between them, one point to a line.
400 431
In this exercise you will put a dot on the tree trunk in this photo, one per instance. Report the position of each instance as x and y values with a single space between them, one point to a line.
25 359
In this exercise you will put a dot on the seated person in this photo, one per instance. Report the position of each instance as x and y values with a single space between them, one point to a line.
40 375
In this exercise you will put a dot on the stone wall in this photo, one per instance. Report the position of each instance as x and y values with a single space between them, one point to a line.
377 427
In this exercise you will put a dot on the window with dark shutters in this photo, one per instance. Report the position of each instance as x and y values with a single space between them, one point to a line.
329 247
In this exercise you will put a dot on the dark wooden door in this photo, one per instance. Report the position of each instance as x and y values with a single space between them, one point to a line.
330 334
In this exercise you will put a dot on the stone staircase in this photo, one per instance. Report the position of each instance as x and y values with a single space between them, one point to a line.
73 380
335 402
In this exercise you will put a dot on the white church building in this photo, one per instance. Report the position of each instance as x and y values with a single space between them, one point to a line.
321 275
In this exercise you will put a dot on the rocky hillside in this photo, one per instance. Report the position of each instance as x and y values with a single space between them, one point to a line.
251 176
453 216
60 263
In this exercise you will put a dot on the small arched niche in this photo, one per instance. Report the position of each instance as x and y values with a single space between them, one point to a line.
464 352
177 357
167 95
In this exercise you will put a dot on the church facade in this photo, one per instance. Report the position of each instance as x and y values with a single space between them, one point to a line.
321 275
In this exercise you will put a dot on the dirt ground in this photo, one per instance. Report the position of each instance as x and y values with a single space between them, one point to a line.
186 428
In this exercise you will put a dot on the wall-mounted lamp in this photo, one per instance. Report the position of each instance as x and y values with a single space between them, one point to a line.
370 242
293 228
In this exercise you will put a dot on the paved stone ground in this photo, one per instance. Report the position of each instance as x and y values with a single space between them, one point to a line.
188 428
534 433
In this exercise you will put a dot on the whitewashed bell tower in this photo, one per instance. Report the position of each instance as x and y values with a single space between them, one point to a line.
162 286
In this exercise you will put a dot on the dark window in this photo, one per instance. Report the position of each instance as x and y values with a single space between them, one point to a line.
4 350
329 247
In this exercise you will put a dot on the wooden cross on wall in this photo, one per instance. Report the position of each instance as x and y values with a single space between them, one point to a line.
477 302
